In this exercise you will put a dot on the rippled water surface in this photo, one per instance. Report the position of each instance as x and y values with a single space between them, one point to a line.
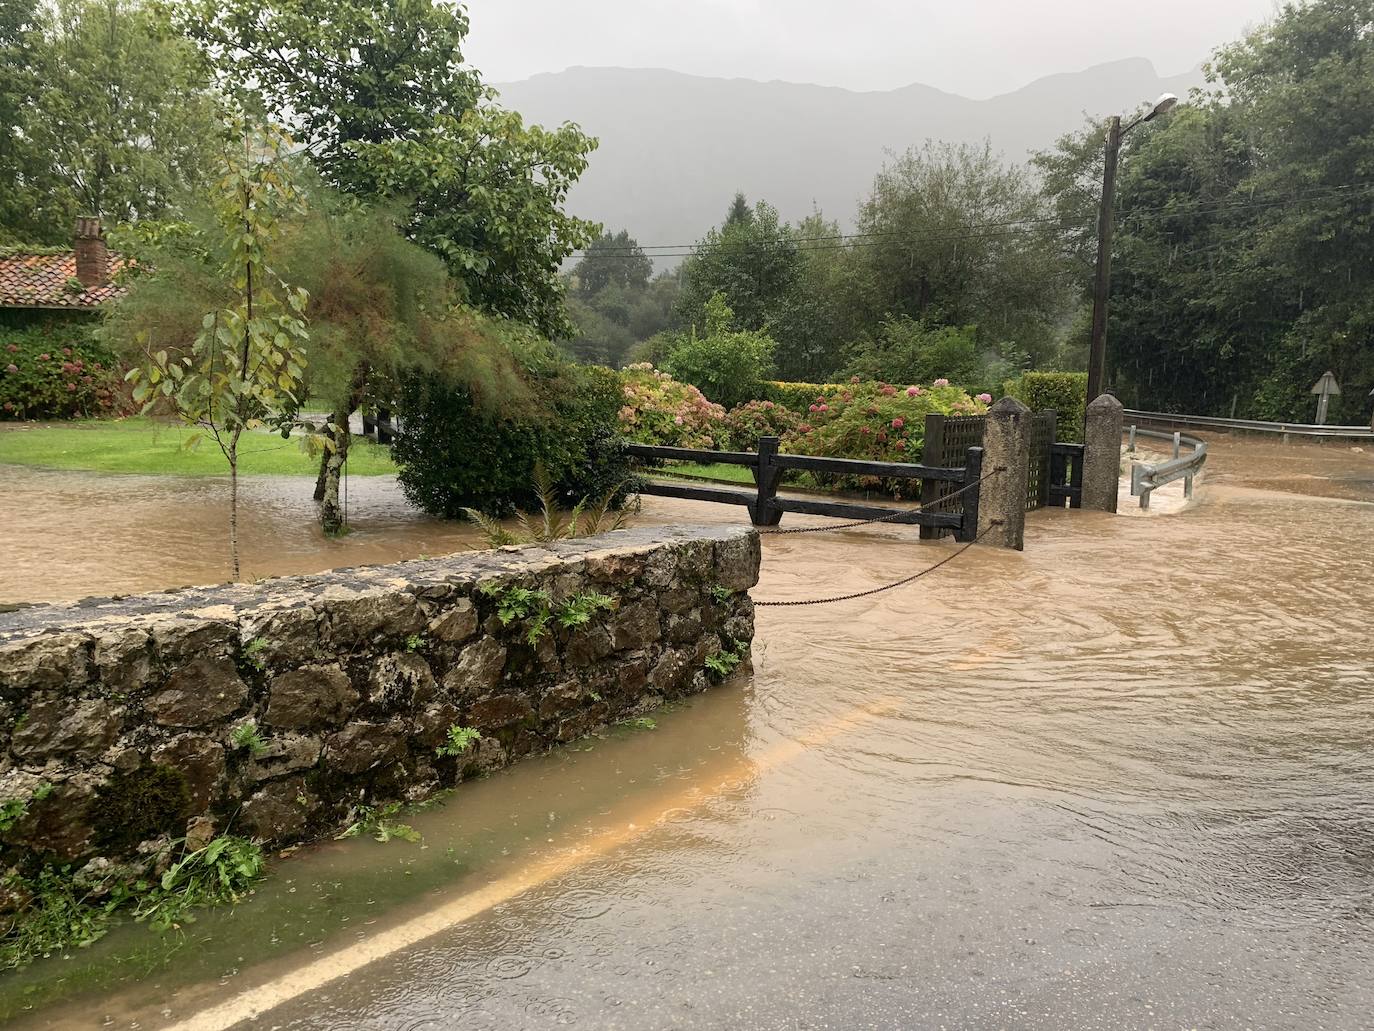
1123 779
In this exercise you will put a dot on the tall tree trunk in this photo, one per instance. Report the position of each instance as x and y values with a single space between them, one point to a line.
320 479
232 453
331 511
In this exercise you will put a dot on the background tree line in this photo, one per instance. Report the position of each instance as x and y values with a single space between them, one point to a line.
1241 266
1242 251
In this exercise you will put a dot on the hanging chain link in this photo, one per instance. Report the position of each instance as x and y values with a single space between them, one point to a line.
885 587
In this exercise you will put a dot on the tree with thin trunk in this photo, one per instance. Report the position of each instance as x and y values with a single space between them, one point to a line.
381 308
245 368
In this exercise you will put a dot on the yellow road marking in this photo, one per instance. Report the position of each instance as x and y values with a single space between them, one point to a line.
253 1003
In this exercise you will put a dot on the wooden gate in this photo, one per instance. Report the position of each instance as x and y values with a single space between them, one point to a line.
949 435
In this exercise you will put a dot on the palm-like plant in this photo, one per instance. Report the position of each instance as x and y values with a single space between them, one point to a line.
549 524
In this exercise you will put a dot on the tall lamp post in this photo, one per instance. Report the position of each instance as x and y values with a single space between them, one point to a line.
1116 132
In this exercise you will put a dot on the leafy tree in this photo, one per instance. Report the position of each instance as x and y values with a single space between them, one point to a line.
18 48
907 352
728 366
245 367
1244 248
612 322
954 237
598 337
752 261
828 306
381 308
1301 88
1173 319
108 112
380 94
348 72
613 260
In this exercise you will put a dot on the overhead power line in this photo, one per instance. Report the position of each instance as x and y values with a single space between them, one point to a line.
977 230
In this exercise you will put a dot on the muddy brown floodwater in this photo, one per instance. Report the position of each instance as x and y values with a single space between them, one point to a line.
1123 779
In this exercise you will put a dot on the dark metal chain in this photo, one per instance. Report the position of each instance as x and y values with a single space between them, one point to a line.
898 514
886 587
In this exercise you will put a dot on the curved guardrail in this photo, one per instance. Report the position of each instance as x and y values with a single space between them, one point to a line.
1147 477
1287 429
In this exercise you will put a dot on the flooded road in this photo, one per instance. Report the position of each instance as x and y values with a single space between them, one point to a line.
1123 779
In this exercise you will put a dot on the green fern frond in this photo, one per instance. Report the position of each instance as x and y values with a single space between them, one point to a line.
497 536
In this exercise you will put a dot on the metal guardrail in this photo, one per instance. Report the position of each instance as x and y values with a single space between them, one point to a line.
1146 478
1287 429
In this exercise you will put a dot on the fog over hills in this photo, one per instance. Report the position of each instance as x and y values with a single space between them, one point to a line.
675 147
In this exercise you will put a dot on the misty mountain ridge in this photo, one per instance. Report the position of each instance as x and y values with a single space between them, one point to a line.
676 147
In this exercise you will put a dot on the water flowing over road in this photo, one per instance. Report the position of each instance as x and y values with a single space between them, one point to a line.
1123 779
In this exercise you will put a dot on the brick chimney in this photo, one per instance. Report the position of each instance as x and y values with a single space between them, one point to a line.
92 259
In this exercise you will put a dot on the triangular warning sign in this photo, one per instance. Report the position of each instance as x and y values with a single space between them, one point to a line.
1327 384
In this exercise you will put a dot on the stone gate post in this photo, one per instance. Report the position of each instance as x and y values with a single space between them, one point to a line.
1002 498
1102 453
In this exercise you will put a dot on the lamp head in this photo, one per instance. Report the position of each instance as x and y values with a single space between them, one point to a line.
1164 104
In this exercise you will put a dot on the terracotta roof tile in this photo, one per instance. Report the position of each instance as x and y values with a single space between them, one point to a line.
41 281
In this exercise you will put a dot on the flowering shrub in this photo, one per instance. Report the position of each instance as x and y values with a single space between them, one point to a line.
660 410
748 422
876 422
56 371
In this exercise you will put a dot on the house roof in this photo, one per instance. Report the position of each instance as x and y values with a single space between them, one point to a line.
37 279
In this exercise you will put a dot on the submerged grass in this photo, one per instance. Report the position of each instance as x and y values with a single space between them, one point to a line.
57 914
147 446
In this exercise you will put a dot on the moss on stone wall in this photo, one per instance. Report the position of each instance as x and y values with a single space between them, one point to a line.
144 803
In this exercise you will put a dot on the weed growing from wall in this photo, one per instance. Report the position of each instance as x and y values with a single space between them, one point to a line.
459 738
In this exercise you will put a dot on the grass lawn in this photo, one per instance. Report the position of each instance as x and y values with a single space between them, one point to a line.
711 470
147 446
691 471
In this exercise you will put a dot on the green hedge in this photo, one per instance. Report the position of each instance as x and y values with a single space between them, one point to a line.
452 456
1065 392
797 397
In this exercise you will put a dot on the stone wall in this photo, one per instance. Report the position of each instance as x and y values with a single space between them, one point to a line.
273 709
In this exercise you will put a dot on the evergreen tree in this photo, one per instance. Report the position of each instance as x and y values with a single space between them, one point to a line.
739 211
613 259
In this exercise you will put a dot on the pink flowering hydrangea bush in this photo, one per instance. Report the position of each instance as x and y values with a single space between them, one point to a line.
877 422
660 410
748 422
57 372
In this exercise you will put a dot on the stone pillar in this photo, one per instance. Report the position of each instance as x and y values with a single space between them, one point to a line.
1002 498
1102 453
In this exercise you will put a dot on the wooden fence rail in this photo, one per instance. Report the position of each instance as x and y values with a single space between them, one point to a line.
767 466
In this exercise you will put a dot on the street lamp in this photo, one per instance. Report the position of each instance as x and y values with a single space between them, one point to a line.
1097 351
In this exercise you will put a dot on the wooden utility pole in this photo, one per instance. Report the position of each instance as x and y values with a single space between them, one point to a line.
1097 351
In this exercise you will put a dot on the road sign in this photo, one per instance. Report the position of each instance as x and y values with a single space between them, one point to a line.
1324 388
1327 384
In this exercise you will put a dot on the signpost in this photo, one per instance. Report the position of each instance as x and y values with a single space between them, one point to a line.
1324 388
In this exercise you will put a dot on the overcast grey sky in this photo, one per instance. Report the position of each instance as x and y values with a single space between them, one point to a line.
977 48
